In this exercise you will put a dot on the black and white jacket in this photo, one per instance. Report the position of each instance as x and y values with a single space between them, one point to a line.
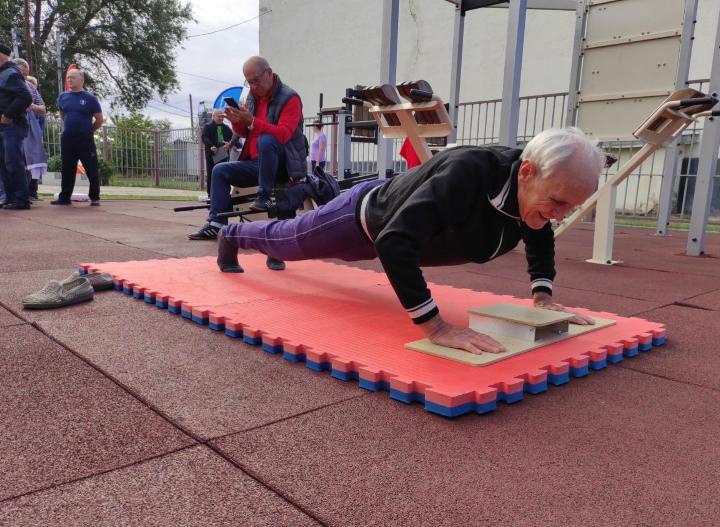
460 206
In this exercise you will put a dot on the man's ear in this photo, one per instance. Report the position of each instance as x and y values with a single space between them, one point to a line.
527 170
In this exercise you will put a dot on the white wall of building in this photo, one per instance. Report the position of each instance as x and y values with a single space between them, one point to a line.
325 46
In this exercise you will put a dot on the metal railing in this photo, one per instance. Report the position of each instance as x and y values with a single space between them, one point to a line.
174 158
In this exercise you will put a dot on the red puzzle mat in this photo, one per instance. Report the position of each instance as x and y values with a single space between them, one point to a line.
349 321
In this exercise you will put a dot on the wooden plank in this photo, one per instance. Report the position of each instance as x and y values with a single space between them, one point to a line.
529 316
513 346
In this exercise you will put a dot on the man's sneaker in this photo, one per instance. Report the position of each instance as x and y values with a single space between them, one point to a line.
94 202
17 206
56 294
261 205
208 232
60 202
275 264
98 281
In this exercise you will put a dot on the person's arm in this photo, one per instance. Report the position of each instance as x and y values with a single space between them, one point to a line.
38 105
22 99
287 122
540 255
440 203
97 121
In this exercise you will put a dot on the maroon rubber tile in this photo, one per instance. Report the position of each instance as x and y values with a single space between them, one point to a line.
691 351
15 286
708 301
62 253
209 382
187 488
8 319
63 420
616 448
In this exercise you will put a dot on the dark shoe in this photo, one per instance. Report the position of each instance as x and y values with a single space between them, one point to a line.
17 206
34 190
94 202
208 232
274 264
261 205
227 259
60 202
98 281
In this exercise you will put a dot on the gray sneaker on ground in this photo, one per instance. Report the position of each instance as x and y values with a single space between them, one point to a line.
59 294
98 281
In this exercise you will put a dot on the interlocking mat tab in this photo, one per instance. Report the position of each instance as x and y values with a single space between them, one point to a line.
348 321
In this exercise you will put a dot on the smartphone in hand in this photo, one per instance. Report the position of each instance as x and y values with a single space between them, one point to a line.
231 102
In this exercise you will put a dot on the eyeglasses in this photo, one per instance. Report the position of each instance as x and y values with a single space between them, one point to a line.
255 80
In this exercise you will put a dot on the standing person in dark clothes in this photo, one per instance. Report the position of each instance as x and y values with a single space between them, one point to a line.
466 204
215 135
81 115
14 100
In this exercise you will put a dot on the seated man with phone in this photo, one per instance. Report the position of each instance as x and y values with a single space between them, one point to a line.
271 122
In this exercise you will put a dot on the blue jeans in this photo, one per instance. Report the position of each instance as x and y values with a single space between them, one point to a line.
247 173
331 231
12 164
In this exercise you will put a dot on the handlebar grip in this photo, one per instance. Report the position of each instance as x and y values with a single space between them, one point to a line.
421 93
698 100
350 100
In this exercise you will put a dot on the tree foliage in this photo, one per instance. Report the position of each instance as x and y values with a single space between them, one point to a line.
125 46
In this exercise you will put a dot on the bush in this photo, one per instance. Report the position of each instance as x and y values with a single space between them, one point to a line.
105 169
54 164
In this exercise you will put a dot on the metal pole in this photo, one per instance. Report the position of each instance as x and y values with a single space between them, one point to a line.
388 69
707 165
13 37
671 154
58 58
577 58
457 50
28 41
192 118
513 65
156 156
343 146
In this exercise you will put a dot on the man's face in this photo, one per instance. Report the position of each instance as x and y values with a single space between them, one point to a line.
542 199
74 80
260 79
218 117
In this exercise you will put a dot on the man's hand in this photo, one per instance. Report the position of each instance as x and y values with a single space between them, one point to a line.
226 145
213 149
544 301
6 120
443 334
240 115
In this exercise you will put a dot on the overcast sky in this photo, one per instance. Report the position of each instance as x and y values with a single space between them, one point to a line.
208 64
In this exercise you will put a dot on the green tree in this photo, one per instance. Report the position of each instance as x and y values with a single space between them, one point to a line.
126 46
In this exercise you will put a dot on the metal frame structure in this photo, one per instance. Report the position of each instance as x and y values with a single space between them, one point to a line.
707 166
513 59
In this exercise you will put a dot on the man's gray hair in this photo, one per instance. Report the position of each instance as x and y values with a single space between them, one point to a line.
81 72
21 62
555 147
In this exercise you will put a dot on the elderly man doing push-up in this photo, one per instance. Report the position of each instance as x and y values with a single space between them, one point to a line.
466 204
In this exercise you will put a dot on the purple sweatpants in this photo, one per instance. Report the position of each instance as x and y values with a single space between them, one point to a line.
330 231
